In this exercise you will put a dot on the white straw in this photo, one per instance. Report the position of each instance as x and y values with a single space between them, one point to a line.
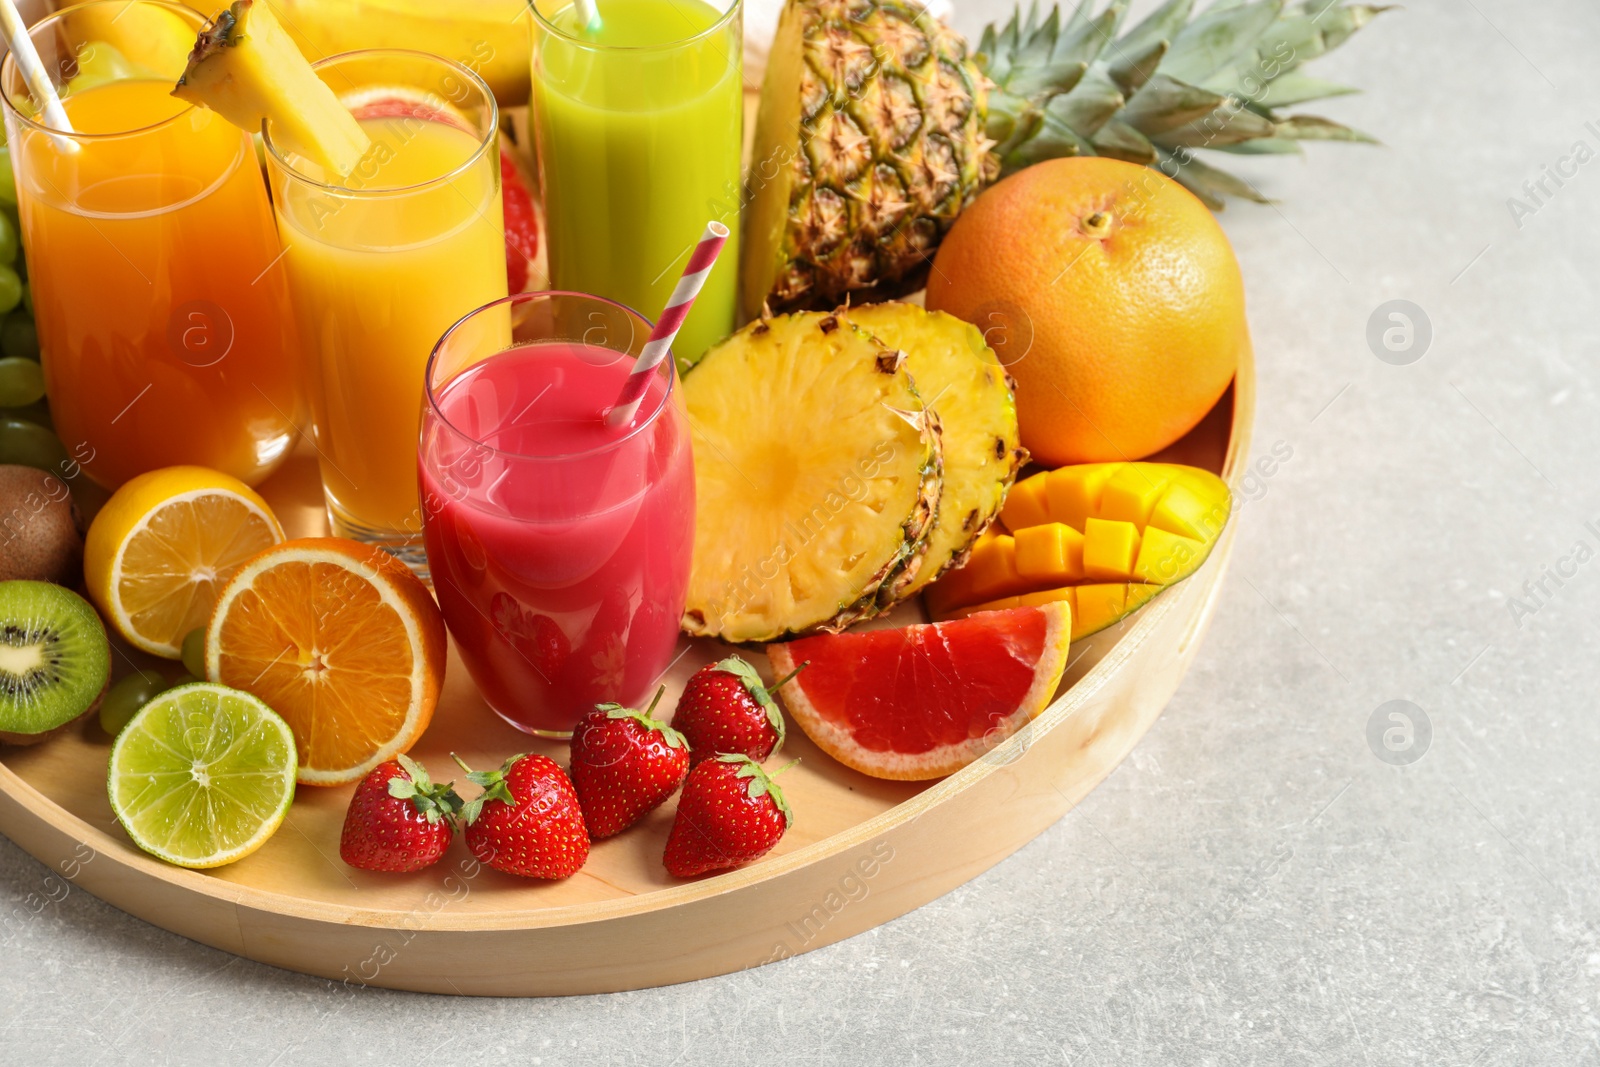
33 72
588 15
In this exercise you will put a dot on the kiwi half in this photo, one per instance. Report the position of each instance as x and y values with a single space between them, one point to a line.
55 661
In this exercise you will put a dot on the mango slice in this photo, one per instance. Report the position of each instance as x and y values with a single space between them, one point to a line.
1104 537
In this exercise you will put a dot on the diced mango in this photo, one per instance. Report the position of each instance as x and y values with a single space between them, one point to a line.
1187 513
1103 603
1025 504
1166 557
1132 491
1050 553
1109 549
1104 538
1072 494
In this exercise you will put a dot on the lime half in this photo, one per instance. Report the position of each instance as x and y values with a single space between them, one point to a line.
202 775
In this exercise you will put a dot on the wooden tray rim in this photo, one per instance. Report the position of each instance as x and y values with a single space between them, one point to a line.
41 809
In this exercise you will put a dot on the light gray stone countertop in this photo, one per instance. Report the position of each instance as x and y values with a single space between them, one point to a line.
1253 885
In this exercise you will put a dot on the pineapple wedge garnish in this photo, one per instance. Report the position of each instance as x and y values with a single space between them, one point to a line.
248 70
960 377
817 472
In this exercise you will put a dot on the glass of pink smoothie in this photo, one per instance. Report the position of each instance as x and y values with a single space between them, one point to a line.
558 546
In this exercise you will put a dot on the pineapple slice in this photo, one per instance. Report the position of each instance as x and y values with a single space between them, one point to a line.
959 377
248 70
816 476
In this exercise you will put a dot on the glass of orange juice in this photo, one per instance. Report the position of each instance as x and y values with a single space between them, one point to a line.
158 291
381 263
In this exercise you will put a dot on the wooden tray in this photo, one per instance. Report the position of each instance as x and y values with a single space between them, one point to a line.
861 851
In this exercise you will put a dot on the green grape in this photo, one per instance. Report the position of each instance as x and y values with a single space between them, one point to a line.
21 382
31 445
123 700
8 181
10 289
19 338
194 651
8 241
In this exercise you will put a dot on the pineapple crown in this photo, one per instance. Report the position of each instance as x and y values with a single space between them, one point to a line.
1174 83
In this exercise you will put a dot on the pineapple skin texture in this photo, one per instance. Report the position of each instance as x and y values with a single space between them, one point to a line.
817 478
891 148
960 377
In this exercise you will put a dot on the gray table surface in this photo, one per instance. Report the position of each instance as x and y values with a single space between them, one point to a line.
1254 885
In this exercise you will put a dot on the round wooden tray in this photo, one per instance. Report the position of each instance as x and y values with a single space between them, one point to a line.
861 851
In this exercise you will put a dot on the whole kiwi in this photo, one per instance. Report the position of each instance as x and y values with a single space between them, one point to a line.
41 532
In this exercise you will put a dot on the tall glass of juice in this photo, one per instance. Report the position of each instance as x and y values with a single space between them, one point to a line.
380 263
558 545
160 300
638 123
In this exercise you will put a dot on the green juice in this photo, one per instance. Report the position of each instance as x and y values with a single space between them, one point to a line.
638 126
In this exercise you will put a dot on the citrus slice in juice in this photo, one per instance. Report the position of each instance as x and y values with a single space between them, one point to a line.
162 547
925 701
202 775
341 640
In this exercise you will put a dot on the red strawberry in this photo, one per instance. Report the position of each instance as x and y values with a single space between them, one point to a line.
731 812
725 708
522 225
624 764
526 821
398 819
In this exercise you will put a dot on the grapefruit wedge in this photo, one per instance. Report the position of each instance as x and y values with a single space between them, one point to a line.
925 701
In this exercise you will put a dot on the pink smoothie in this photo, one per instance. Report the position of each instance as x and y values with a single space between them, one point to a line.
559 547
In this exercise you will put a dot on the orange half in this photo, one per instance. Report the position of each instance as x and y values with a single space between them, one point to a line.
342 641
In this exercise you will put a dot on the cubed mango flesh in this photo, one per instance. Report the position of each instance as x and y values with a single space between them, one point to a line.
1072 494
1103 537
1025 505
1165 557
1051 553
1110 547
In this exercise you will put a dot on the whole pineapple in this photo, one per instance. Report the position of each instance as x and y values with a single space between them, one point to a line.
877 126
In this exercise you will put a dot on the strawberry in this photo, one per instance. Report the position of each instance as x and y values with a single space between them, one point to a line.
526 821
725 708
624 764
731 812
398 819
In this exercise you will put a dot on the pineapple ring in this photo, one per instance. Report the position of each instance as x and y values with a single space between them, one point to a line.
816 474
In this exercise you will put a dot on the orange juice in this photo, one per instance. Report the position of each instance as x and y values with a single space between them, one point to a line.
380 264
161 306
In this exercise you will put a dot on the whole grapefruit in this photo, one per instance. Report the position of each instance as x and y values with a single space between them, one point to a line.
1111 295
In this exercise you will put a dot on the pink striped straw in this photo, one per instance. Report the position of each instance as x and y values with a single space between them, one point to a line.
670 322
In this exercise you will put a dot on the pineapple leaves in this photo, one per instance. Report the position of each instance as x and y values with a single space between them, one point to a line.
1312 128
1118 140
1208 183
1296 87
1166 104
1216 38
1176 81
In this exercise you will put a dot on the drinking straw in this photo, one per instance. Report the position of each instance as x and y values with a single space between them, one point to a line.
33 72
667 326
588 15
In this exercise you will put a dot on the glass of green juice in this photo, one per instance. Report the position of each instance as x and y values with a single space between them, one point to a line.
638 118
